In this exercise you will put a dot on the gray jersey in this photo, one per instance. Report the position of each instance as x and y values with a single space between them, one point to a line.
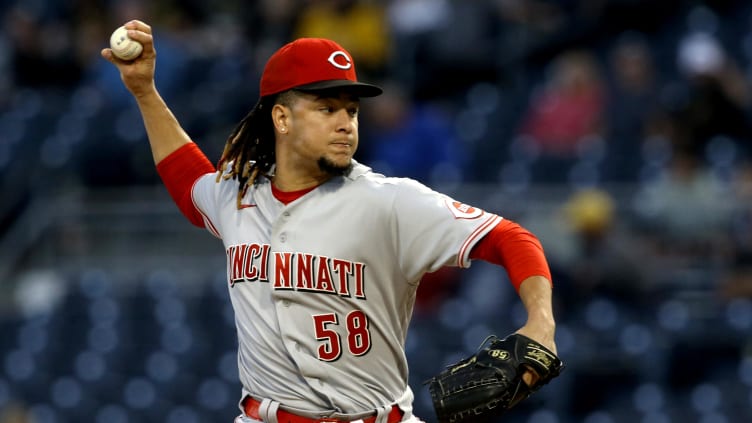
323 288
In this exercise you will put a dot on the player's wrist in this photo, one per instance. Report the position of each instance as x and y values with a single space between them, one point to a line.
540 327
146 93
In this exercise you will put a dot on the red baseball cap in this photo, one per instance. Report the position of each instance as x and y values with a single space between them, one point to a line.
313 64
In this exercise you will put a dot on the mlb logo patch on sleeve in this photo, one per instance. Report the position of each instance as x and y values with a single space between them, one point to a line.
463 211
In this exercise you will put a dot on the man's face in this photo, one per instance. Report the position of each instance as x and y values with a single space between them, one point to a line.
323 130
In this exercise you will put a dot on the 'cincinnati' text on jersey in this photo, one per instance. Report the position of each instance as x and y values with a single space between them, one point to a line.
295 271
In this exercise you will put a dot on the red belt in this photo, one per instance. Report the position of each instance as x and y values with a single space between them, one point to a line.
251 408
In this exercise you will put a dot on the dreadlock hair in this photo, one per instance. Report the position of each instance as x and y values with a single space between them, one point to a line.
250 147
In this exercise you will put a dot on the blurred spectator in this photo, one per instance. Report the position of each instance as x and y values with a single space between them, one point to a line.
528 25
360 26
409 138
634 91
412 22
687 208
567 108
41 49
717 100
608 261
594 254
449 45
470 54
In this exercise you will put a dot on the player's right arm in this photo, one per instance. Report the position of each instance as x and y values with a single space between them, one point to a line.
179 161
163 129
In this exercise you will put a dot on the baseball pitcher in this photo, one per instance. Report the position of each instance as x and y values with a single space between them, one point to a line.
324 256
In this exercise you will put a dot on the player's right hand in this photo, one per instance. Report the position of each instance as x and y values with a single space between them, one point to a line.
137 74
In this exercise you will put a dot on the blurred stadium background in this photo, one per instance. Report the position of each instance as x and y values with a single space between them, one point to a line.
616 130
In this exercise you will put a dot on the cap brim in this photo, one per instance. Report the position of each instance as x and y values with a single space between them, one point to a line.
359 89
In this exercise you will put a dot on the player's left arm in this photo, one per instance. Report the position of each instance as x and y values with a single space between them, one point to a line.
521 254
535 293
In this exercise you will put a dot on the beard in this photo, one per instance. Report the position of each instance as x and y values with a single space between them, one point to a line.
334 169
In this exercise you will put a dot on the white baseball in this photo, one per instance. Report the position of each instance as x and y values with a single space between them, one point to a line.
123 46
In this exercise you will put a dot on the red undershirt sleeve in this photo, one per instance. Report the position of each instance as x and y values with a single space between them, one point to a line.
179 171
516 249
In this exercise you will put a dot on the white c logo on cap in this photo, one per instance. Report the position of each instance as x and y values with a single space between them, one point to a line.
333 60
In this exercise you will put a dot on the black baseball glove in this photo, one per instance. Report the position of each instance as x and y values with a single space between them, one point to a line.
487 384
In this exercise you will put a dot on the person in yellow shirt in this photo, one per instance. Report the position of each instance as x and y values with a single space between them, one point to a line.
359 26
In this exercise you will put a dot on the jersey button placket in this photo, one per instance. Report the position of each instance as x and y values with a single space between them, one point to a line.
284 218
280 226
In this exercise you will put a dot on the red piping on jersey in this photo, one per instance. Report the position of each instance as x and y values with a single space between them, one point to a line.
207 222
516 249
491 220
179 171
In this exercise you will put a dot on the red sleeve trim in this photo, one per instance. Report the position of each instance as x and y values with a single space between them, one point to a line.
516 249
492 220
179 171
